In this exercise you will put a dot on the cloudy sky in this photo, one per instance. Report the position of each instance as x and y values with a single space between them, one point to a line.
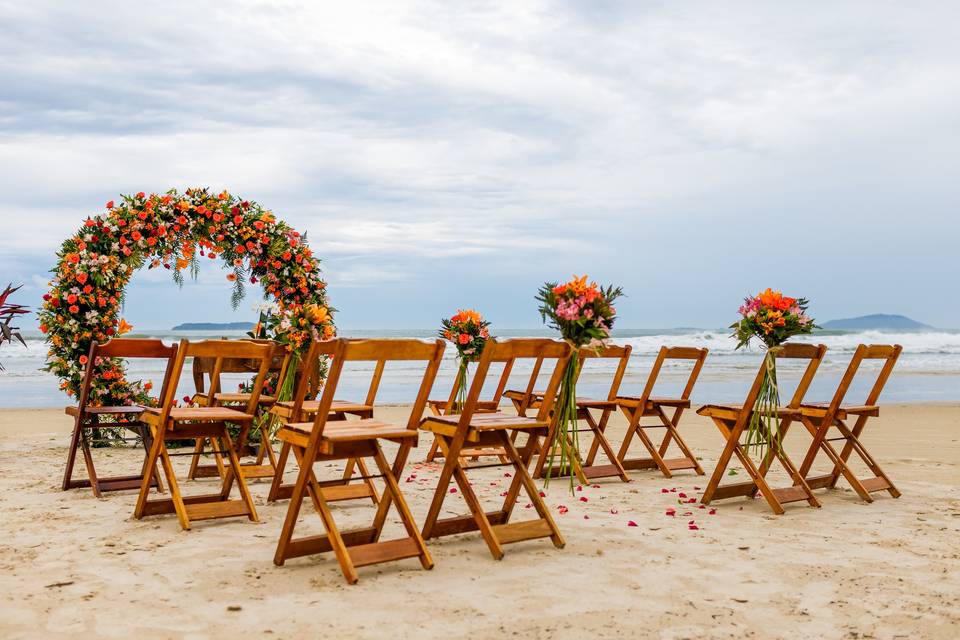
445 154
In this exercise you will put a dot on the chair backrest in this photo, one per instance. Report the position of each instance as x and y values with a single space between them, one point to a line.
798 351
344 350
204 366
125 348
887 353
511 350
309 383
609 352
259 356
697 356
492 402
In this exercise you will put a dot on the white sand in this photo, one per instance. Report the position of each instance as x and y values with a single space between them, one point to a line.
74 566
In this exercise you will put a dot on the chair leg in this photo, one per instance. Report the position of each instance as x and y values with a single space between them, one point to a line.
524 477
600 439
306 482
276 487
362 466
147 440
673 433
238 472
722 462
405 515
195 459
434 451
88 461
72 453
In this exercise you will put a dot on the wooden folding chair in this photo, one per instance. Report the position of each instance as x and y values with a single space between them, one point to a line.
265 464
87 418
486 429
324 440
302 410
820 418
448 407
636 408
169 422
732 420
586 469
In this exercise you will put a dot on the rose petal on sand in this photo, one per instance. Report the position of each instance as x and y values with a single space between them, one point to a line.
693 527
631 523
584 499
664 490
670 512
712 512
681 495
614 511
453 489
543 495
586 517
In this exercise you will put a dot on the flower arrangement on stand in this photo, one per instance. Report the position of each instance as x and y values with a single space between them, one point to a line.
468 332
584 314
774 319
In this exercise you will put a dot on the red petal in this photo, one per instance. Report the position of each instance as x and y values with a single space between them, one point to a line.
453 489
584 499
712 512
614 511
693 527
631 523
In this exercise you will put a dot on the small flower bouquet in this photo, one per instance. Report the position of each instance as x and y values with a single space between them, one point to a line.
774 319
584 315
468 332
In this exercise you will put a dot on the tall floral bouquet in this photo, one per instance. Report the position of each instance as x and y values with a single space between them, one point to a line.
774 319
584 315
468 332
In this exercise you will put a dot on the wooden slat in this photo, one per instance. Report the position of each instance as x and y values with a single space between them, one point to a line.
642 463
734 490
790 494
210 510
310 545
819 482
377 552
346 492
601 471
875 484
518 531
463 524
675 464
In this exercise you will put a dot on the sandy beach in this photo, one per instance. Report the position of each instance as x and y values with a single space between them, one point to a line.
75 566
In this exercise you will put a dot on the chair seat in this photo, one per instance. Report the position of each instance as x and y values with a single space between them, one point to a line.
590 403
127 409
242 398
732 411
151 415
482 405
308 407
481 423
819 410
351 431
653 403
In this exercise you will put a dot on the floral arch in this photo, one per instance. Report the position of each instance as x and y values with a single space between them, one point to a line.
174 231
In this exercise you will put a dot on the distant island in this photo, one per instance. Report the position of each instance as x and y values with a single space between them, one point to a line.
214 326
875 321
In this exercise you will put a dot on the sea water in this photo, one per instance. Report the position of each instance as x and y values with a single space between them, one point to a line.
928 369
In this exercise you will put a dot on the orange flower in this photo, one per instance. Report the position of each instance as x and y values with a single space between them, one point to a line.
83 360
232 277
317 314
123 327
